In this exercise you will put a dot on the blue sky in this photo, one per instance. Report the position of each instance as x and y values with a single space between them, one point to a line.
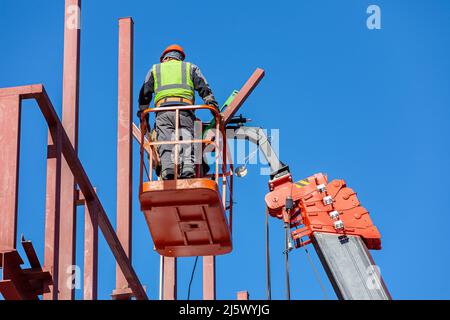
368 106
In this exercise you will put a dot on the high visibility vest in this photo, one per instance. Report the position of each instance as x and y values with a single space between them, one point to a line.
173 79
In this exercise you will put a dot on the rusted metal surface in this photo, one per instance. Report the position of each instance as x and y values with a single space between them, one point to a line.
169 278
243 295
9 169
243 94
38 92
52 212
124 142
209 278
70 98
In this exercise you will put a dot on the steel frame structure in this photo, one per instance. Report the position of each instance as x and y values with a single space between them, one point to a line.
68 186
16 278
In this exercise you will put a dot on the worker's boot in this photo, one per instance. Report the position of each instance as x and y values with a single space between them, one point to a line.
168 174
187 174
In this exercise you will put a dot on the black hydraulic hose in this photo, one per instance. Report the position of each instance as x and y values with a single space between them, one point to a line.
192 278
286 252
268 284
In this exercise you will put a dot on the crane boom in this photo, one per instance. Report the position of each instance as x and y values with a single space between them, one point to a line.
331 218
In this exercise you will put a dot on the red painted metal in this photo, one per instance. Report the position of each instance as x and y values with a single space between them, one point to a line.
137 135
9 168
124 143
312 213
52 212
22 284
70 98
243 295
38 92
185 217
243 94
209 278
169 278
90 270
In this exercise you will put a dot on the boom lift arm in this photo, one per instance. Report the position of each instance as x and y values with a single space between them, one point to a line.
329 216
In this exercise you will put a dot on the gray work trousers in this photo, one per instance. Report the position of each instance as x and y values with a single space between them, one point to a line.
165 130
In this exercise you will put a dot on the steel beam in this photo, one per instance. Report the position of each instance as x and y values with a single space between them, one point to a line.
243 295
350 267
90 283
137 136
52 213
124 143
38 92
90 270
70 98
209 278
169 278
243 94
9 169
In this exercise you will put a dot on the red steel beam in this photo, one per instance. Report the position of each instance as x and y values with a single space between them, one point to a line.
52 213
124 143
243 295
243 94
70 98
90 283
209 278
10 108
38 92
169 278
137 135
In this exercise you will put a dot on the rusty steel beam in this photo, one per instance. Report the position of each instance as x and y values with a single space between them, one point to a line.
38 92
243 94
169 278
10 108
52 213
124 143
209 278
70 99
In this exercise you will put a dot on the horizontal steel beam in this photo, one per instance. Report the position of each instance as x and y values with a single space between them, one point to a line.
243 94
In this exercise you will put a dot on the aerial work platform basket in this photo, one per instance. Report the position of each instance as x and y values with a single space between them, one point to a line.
188 217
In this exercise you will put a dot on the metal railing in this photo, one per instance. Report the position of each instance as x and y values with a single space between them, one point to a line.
223 167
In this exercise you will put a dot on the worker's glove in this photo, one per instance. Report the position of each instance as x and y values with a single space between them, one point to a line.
147 118
213 103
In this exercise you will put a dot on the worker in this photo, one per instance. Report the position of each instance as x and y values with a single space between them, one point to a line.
174 83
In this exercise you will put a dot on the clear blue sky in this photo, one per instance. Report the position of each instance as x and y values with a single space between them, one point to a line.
368 106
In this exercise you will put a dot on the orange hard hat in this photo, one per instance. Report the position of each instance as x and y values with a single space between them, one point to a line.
173 47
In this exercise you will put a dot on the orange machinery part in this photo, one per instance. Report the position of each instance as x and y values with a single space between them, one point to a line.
316 203
186 217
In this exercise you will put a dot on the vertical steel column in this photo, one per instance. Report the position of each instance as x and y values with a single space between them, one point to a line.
169 278
243 295
90 251
124 142
209 278
70 100
9 169
52 211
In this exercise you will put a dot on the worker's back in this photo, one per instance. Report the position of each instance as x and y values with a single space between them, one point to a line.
173 78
